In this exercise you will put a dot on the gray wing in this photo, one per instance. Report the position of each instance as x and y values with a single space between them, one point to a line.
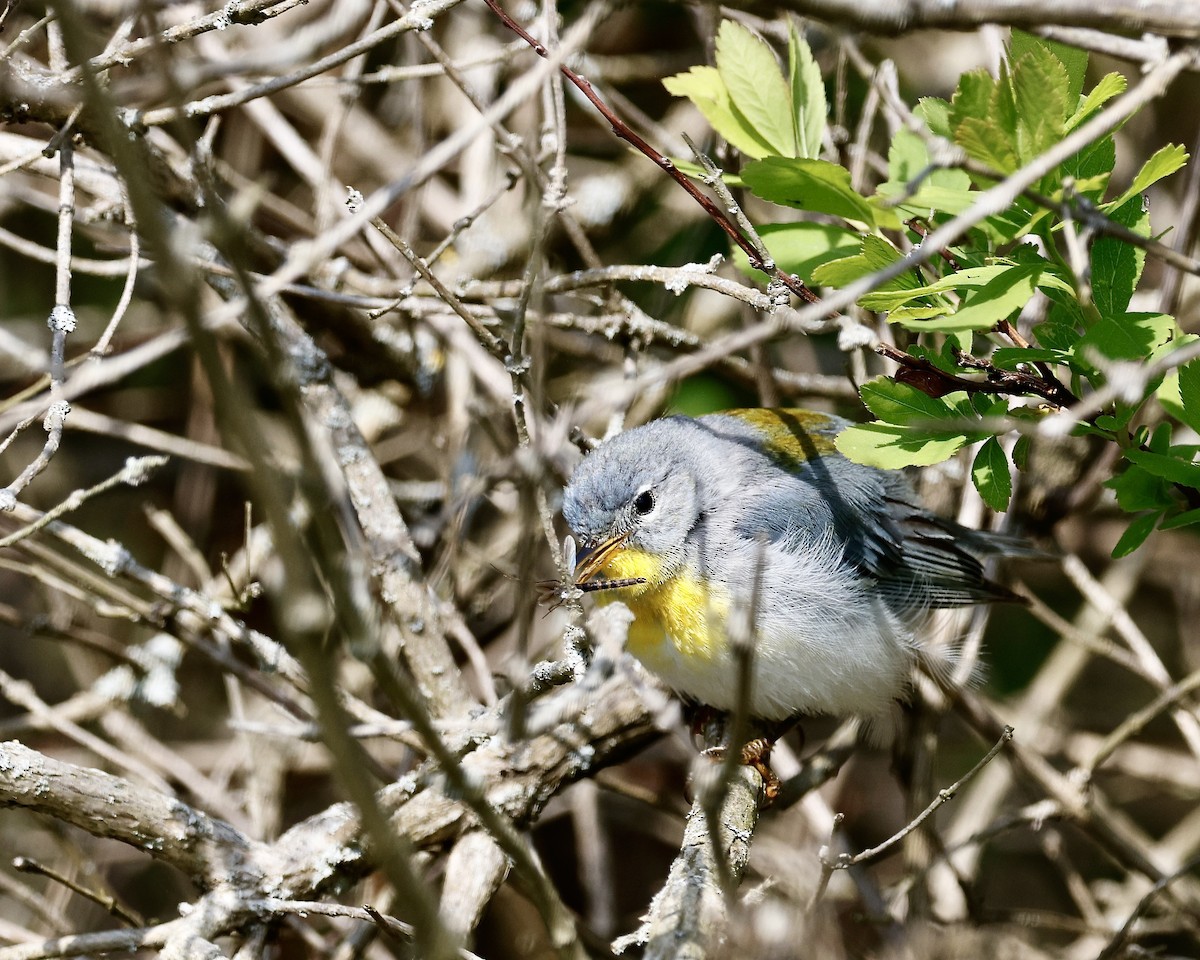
918 560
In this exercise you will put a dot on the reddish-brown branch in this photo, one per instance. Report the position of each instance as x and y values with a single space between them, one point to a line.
626 133
936 382
913 370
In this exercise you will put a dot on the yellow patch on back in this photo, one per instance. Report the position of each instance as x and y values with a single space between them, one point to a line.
790 437
680 607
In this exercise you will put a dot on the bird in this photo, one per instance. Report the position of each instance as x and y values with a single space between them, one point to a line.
697 524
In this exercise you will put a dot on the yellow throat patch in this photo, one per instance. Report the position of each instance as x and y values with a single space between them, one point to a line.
681 607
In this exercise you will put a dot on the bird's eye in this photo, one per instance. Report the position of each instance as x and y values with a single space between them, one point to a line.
643 503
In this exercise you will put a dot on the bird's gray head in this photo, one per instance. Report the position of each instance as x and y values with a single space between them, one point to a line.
639 486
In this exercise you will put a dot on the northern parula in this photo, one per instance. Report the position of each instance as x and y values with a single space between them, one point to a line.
696 512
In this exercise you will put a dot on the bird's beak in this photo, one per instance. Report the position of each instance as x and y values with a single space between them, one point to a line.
593 559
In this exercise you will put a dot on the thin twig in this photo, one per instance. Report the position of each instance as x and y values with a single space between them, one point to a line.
845 861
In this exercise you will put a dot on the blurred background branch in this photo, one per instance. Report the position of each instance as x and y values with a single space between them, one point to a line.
301 666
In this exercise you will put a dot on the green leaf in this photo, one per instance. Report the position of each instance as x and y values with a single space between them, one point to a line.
1064 321
1167 466
936 114
800 248
814 185
1138 490
1163 163
973 98
968 279
907 156
704 87
1160 439
908 316
875 254
751 74
809 106
1059 337
1173 340
1021 450
1007 288
982 122
890 447
1040 89
1130 336
1009 358
1184 519
931 197
1110 85
1189 393
1135 535
1091 168
1073 59
996 300
1116 265
903 404
991 476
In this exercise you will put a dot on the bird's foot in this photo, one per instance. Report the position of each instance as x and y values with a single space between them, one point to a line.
756 754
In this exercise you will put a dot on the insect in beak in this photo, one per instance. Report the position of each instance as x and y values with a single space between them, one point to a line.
590 562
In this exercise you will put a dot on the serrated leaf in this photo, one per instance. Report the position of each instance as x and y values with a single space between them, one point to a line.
931 197
885 217
976 125
908 159
969 279
1163 163
809 105
1189 393
1117 265
1009 358
1172 340
1187 518
907 156
980 125
800 248
996 300
1091 168
1021 450
909 316
1073 59
988 405
1138 490
942 356
1131 336
891 447
875 254
973 97
1160 439
935 112
1135 535
703 86
1060 337
991 476
813 185
1167 466
757 90
987 141
1039 89
1110 85
1007 289
903 404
